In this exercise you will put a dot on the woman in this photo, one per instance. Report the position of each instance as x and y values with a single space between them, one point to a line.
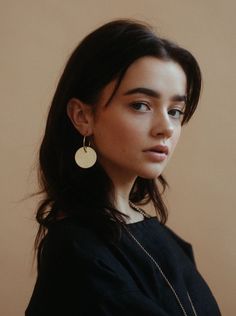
113 125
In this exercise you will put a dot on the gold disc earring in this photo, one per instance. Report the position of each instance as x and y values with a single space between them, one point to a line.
85 156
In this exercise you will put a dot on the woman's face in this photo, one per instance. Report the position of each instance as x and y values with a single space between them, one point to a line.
143 114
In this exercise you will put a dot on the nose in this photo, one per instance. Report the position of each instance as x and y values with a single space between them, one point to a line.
162 126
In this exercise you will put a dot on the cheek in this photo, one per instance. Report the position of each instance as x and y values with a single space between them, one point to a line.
115 137
108 132
176 138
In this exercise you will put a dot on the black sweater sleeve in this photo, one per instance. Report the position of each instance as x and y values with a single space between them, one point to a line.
186 247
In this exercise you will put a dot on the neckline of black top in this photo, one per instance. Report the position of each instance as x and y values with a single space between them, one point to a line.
143 221
137 224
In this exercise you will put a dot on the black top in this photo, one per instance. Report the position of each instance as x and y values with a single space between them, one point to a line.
80 275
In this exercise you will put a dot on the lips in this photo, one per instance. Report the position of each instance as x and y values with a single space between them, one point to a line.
159 149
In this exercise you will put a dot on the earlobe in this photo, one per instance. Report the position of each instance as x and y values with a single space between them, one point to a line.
79 114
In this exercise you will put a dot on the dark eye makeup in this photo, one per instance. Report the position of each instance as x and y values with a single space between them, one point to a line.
144 107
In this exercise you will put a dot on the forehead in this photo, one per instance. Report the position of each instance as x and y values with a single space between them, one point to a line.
165 77
155 74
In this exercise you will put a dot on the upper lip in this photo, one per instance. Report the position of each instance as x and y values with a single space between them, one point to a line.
159 148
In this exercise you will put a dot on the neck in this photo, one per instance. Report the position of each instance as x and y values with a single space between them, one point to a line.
122 185
121 201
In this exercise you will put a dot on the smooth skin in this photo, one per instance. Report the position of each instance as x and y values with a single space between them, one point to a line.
145 111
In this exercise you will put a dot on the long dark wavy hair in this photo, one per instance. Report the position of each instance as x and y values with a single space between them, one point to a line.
102 56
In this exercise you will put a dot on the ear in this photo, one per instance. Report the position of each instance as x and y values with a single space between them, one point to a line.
81 116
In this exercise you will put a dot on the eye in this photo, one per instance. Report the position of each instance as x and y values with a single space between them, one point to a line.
179 113
140 106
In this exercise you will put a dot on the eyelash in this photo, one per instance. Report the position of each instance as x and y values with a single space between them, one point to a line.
139 103
180 112
147 106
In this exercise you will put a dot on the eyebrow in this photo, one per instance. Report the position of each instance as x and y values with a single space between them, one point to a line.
155 94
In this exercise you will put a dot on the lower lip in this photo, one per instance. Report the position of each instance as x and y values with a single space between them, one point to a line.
156 156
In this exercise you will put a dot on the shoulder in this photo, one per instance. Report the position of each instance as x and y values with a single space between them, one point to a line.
79 256
69 235
69 245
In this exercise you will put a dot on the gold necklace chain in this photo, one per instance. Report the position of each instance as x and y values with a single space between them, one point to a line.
158 266
139 210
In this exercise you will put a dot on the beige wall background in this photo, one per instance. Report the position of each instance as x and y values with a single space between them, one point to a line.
36 40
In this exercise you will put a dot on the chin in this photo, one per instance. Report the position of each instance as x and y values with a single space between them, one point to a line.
150 174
